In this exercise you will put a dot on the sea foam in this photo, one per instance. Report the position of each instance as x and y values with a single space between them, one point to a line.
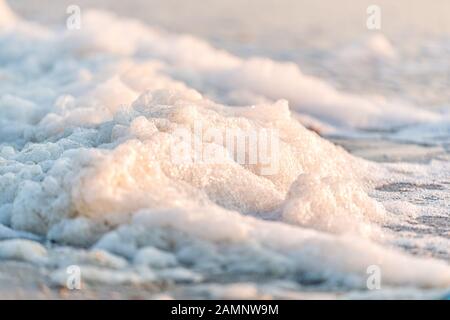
88 119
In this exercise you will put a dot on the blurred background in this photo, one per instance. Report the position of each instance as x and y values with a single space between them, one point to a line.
328 40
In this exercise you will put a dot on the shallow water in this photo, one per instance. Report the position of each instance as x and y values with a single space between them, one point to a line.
88 119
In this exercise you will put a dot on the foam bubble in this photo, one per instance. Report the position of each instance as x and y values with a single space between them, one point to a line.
86 161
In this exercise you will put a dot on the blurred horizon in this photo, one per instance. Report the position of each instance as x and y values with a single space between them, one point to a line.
243 20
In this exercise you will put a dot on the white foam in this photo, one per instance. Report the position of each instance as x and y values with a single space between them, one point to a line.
232 79
85 160
23 250
331 204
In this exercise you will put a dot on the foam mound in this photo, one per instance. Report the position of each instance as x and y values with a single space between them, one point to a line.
89 120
